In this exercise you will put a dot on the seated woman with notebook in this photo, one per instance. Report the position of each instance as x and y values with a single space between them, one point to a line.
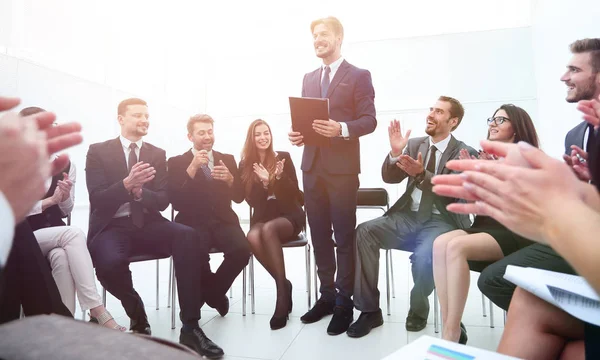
271 188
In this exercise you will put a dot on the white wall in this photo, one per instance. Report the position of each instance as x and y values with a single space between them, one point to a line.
247 70
556 24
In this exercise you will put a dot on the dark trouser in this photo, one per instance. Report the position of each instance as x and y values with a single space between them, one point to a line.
399 230
121 240
27 280
231 240
331 199
493 285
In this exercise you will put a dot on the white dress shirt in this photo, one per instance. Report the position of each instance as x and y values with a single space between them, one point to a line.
125 209
65 206
7 229
211 158
417 193
334 66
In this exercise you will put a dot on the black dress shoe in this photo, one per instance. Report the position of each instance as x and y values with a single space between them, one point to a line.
322 308
415 322
221 305
463 335
366 321
200 343
140 326
341 320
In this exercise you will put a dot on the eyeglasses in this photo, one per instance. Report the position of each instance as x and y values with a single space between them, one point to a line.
498 120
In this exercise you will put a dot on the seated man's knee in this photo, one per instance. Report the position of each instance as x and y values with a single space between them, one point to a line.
364 237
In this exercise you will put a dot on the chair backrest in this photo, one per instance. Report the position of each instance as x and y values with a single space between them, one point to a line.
373 198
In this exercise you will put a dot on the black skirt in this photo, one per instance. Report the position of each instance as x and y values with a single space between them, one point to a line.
508 241
273 211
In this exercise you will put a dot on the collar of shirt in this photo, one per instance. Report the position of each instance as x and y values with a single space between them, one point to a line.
441 146
126 142
211 159
334 67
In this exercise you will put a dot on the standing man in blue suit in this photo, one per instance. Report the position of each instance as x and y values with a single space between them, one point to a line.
330 174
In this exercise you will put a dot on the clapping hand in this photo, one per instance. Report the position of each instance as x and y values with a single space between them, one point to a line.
222 173
262 173
397 140
65 186
279 168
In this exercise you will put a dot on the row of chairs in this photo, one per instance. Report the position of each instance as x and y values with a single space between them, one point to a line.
368 198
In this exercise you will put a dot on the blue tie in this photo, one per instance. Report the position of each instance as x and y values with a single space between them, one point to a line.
206 171
325 81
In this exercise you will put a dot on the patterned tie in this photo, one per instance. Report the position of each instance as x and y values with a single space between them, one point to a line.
206 171
137 210
325 82
426 205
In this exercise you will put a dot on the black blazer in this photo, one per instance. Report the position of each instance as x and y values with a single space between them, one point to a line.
392 174
198 199
53 215
105 169
289 197
351 100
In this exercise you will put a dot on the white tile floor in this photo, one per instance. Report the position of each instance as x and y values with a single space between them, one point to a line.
249 337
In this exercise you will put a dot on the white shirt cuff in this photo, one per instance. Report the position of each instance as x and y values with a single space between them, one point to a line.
36 209
393 160
7 228
345 132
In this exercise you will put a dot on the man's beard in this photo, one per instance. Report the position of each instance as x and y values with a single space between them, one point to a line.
584 92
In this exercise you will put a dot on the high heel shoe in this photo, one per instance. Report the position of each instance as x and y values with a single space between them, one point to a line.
463 335
289 283
105 317
278 322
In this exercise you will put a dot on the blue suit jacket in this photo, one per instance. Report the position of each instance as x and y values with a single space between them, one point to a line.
351 100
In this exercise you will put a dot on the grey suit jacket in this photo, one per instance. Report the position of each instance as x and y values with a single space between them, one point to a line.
575 137
392 174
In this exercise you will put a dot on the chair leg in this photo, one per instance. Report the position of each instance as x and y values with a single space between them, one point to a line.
231 292
505 318
392 275
387 281
252 295
307 256
104 296
21 313
172 295
244 292
316 278
436 319
157 282
170 282
491 314
483 305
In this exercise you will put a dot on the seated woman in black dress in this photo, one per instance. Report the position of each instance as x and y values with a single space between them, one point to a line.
486 240
271 188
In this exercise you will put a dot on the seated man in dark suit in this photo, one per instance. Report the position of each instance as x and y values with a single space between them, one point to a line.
202 183
127 183
415 220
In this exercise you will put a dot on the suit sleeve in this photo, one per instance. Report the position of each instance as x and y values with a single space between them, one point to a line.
364 104
158 198
390 173
180 185
286 188
103 195
237 189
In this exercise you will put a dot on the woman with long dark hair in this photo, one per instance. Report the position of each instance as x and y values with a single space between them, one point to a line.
271 189
486 240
